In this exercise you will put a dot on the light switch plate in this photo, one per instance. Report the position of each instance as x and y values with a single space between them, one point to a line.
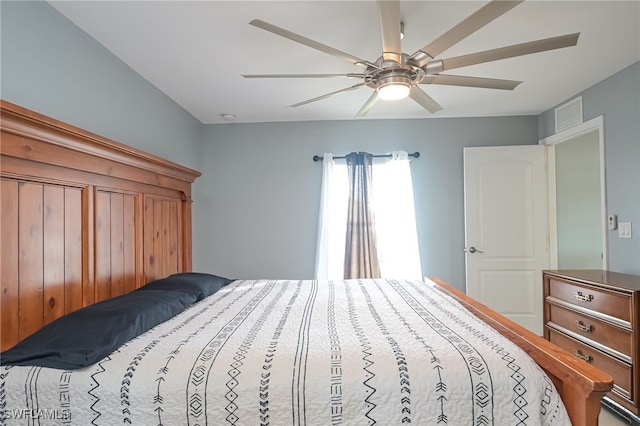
624 229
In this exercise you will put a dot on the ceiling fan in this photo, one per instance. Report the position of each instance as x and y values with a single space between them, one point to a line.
395 74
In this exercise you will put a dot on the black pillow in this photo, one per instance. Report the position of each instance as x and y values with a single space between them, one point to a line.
87 335
199 284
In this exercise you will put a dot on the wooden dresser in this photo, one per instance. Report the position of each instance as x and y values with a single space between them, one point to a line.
594 314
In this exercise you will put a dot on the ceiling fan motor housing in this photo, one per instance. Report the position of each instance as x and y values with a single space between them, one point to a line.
386 73
409 72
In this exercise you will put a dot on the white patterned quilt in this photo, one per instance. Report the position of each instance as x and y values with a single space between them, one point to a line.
261 352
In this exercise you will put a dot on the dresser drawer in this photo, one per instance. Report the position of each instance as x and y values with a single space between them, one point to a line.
608 335
621 372
597 300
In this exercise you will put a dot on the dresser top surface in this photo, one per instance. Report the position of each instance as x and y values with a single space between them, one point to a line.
600 277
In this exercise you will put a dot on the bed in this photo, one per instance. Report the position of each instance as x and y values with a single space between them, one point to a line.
122 219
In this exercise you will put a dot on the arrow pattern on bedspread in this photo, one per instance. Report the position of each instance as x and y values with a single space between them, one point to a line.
272 352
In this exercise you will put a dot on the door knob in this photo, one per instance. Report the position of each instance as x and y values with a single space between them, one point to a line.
473 250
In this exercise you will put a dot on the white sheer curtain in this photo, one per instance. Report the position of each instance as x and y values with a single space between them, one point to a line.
395 218
332 224
394 212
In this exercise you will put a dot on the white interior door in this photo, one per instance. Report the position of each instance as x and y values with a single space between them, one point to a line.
506 229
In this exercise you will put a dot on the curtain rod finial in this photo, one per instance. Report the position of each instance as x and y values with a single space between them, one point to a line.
317 158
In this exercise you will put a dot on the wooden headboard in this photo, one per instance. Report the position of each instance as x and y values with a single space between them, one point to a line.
83 219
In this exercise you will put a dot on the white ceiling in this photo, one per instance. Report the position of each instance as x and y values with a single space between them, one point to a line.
197 51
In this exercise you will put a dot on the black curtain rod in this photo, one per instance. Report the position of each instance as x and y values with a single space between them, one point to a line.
320 158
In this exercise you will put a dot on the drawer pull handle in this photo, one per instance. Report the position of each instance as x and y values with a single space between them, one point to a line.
583 327
585 358
583 297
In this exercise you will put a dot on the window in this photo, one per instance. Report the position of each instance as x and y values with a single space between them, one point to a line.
394 213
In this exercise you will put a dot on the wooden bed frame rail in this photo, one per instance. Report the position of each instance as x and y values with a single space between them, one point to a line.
581 385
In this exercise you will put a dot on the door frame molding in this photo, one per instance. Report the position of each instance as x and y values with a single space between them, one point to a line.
595 124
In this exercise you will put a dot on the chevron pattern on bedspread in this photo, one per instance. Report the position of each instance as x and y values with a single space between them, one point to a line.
278 352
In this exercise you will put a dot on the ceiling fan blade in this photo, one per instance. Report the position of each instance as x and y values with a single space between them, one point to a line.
368 105
459 80
350 75
319 98
511 51
311 43
426 101
474 22
389 13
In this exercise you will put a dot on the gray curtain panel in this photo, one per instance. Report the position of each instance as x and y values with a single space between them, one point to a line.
361 251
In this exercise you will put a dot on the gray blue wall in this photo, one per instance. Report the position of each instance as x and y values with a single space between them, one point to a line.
262 188
256 205
618 99
51 66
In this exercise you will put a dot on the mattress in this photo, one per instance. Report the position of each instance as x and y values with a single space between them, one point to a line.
286 352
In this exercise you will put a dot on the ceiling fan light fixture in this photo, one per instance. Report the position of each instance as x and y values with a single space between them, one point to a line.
394 87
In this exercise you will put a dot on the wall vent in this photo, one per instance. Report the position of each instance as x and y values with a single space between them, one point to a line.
569 114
